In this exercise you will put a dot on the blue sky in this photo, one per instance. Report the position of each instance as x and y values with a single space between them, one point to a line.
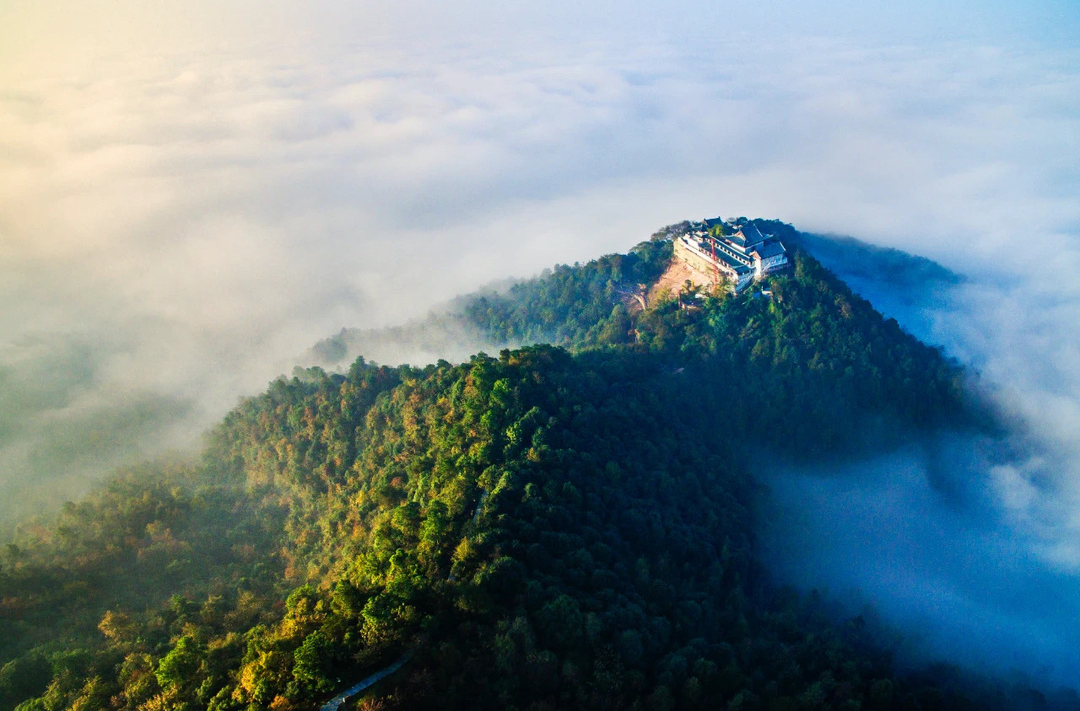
57 31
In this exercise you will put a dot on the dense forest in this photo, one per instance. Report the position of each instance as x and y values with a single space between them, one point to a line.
564 525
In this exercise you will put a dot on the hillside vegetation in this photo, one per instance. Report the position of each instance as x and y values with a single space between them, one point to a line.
559 527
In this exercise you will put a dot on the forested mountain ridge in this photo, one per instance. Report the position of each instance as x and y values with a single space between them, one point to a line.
562 526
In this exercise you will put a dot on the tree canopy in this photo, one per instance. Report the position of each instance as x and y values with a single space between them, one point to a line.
555 527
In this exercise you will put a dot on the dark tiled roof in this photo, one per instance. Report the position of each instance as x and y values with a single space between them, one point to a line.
770 249
747 236
727 259
737 254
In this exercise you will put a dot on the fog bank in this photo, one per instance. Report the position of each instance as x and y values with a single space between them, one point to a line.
966 545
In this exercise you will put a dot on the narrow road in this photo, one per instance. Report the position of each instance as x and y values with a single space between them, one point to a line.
338 701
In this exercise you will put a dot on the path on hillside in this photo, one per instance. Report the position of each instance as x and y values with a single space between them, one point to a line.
338 701
675 276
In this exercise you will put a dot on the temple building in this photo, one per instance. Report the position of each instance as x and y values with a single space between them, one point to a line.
736 249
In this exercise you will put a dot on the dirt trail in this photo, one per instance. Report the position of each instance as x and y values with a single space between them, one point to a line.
675 277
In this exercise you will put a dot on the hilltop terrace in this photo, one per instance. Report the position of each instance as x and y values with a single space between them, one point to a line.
736 250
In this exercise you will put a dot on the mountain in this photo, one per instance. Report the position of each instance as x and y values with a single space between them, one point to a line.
543 310
568 524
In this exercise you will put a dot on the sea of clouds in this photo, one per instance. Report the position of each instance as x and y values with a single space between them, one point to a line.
177 228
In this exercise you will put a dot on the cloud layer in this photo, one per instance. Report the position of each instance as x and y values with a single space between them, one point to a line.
958 582
214 214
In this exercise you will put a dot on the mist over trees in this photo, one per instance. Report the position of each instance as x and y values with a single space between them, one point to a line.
563 525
